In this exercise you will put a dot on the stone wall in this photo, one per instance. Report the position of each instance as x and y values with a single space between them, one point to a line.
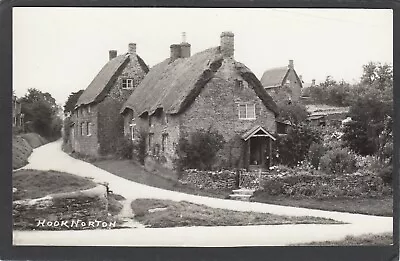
108 123
217 107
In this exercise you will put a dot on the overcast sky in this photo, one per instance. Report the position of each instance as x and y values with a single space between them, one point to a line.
60 50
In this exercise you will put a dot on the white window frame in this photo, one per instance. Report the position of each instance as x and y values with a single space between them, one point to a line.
127 84
248 108
132 129
164 142
88 129
82 128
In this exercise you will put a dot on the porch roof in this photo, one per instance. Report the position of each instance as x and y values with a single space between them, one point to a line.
253 133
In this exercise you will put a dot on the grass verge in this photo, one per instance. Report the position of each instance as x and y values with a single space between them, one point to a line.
167 213
364 240
132 171
32 184
368 206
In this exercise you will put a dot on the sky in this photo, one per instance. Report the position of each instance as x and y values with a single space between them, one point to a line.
60 50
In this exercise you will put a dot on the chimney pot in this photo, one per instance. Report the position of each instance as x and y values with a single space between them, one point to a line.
227 44
185 47
132 48
291 64
313 82
112 54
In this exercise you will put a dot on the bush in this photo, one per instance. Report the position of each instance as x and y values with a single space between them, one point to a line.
124 148
338 161
199 151
386 174
139 147
321 186
293 147
315 153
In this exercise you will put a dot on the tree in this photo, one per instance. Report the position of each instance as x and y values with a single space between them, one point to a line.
40 110
294 112
371 112
377 75
72 100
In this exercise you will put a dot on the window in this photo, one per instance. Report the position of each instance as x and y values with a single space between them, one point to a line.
82 127
164 141
88 129
150 140
88 109
150 121
127 84
239 84
132 129
247 111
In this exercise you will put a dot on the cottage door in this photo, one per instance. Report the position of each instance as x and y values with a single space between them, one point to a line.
256 151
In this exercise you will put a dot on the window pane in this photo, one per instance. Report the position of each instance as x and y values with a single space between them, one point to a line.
242 111
251 111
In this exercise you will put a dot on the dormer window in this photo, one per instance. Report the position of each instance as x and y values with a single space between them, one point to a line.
127 84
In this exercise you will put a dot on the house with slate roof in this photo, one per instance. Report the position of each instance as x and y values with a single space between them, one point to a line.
282 83
96 123
208 90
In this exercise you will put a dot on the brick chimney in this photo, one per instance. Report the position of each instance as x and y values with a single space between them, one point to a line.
227 44
175 51
312 82
112 54
291 65
132 48
185 47
301 78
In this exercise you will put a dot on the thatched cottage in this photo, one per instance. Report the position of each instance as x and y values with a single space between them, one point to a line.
96 123
283 83
209 90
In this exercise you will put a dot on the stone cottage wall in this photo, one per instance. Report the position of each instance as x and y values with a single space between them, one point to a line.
109 127
217 108
82 143
294 85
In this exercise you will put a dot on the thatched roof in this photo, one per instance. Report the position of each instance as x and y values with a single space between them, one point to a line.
173 85
274 77
100 85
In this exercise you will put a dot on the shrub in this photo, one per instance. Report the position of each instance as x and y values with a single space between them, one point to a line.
338 161
294 146
386 174
124 148
315 153
199 151
139 147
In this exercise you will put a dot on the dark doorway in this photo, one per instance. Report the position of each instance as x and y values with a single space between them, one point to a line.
257 150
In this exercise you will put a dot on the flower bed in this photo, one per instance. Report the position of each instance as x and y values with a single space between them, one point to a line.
300 184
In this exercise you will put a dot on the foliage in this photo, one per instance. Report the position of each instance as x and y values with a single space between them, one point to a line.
199 150
364 184
72 100
338 161
315 153
331 92
124 148
294 146
139 147
40 110
294 112
371 126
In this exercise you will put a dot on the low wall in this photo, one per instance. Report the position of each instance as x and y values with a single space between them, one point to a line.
220 180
